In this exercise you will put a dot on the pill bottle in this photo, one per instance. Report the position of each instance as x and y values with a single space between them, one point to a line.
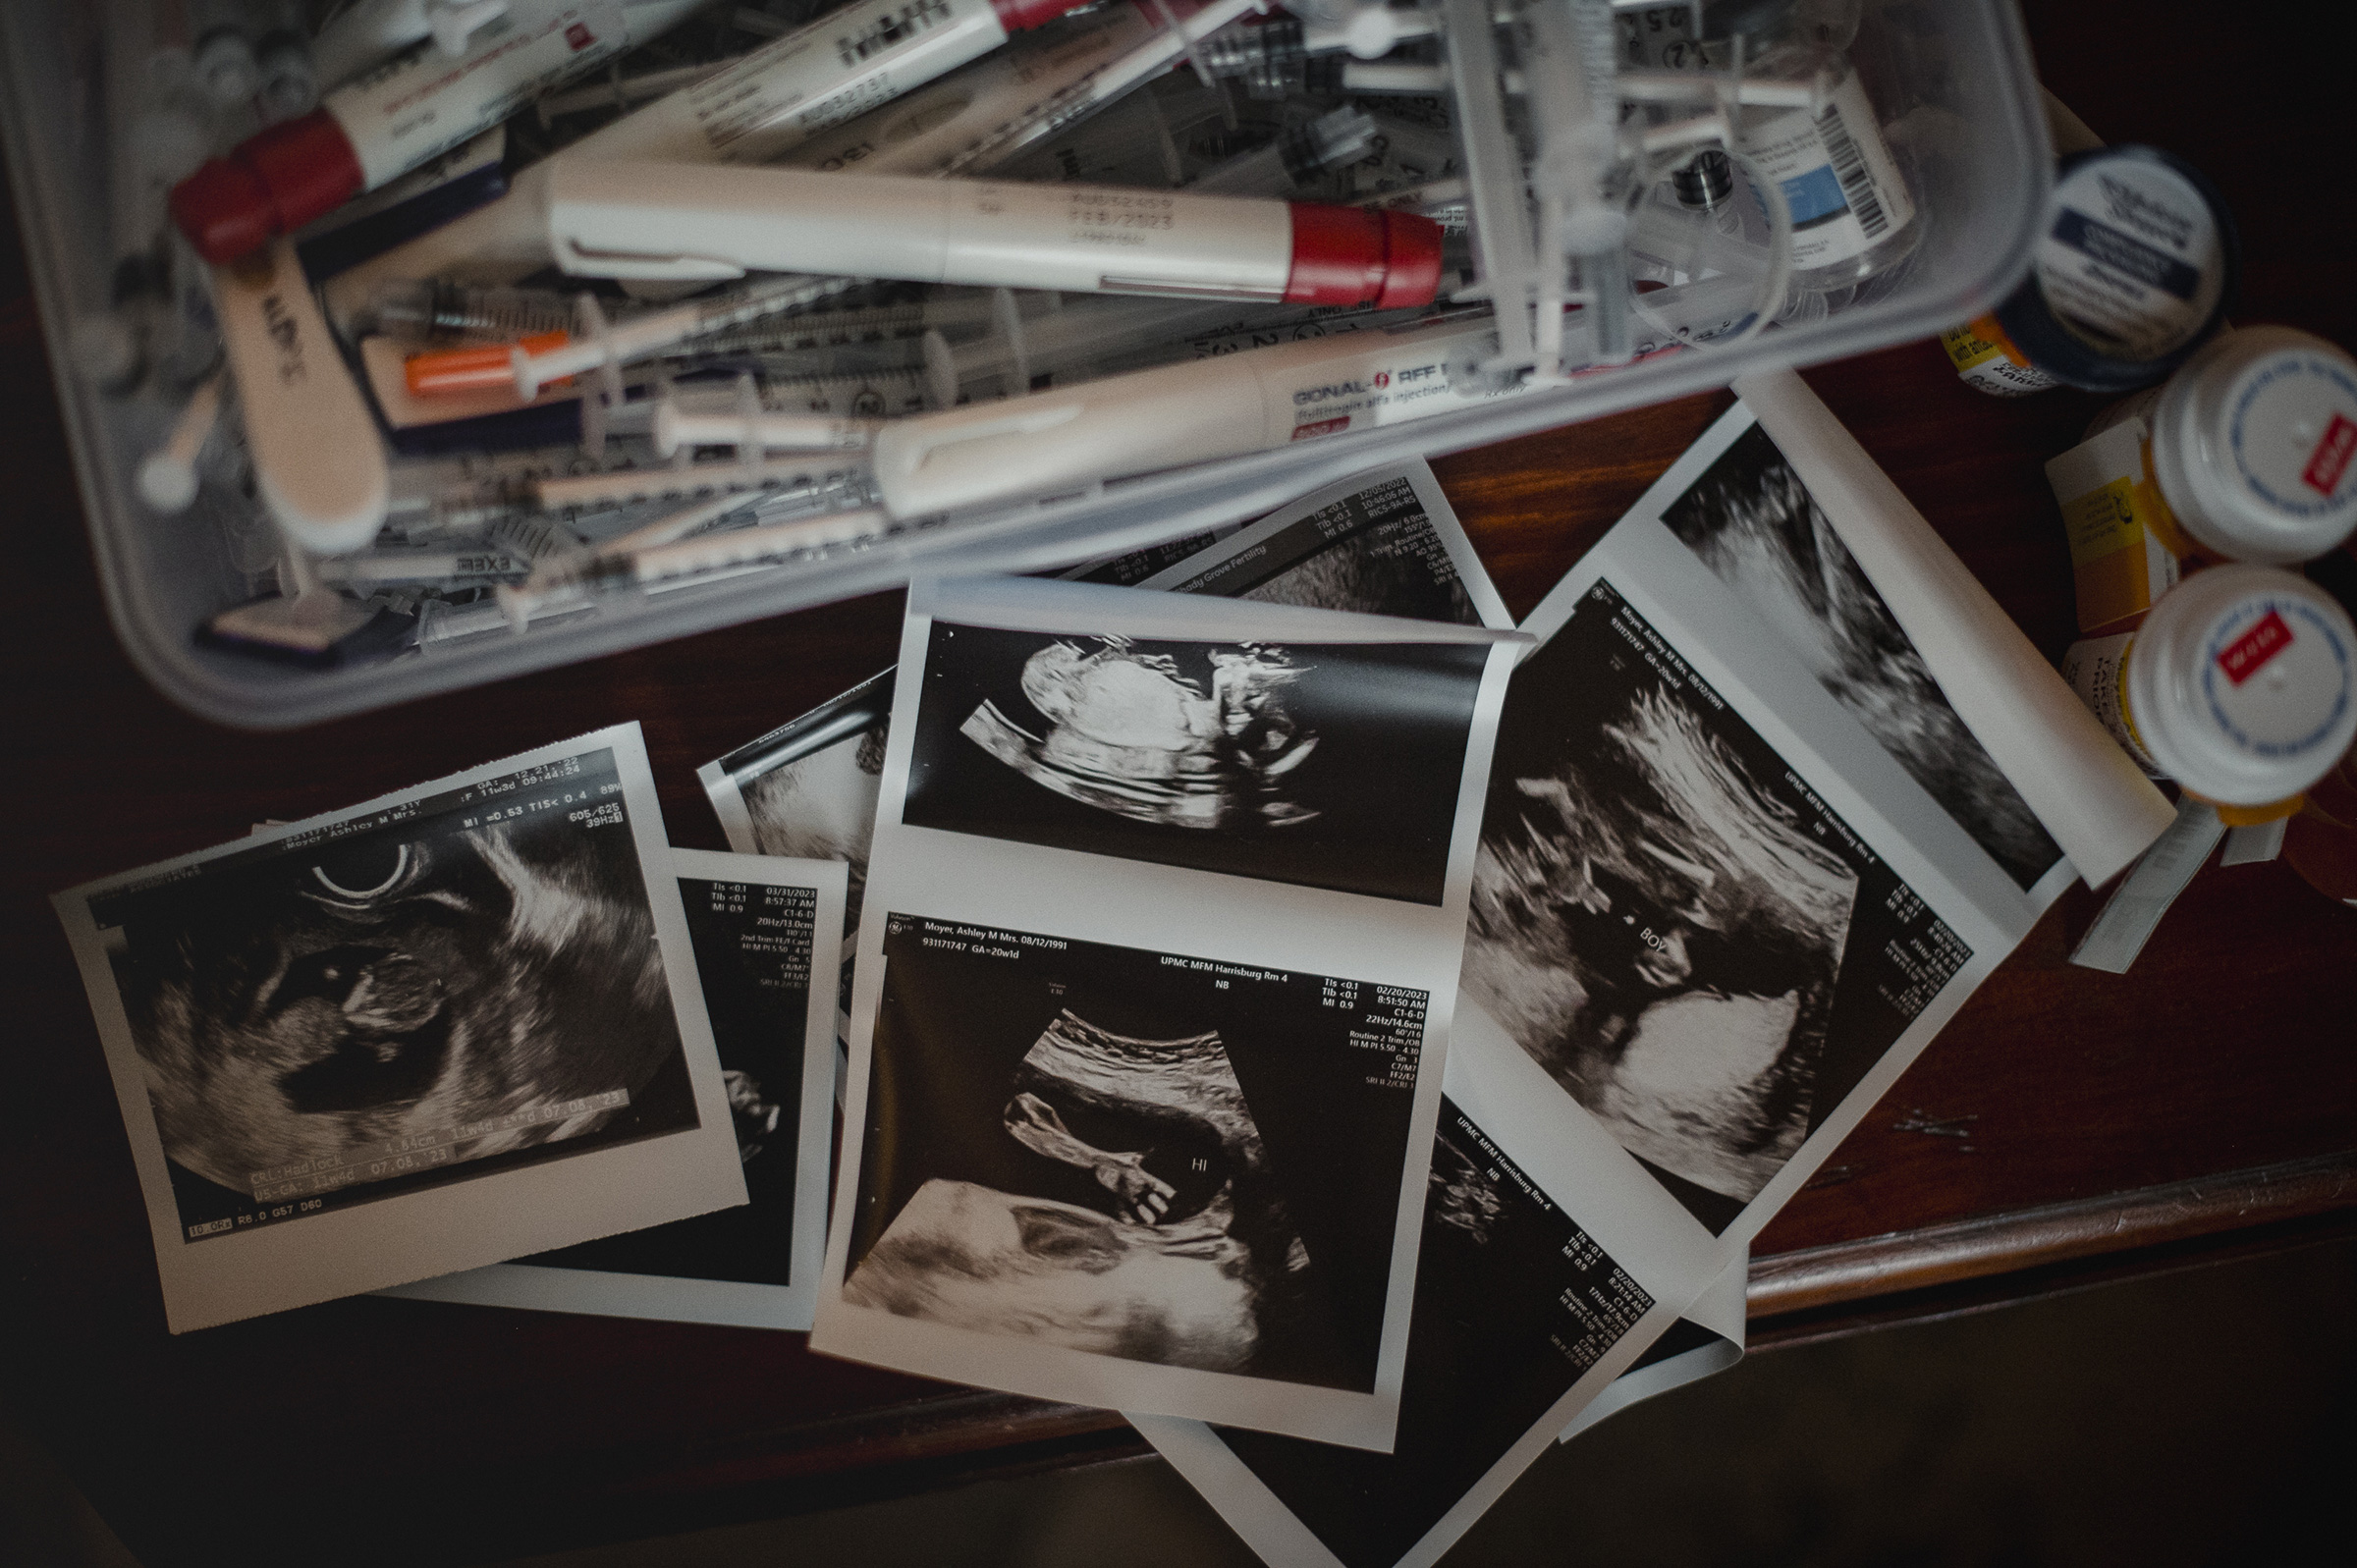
2241 685
1853 214
2136 263
2246 453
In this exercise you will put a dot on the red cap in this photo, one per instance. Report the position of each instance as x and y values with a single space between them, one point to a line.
275 182
1018 15
1351 256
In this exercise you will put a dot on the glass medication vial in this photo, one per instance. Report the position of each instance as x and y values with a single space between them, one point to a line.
1852 215
2241 685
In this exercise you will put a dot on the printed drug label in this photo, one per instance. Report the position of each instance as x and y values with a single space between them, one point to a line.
2133 262
1837 177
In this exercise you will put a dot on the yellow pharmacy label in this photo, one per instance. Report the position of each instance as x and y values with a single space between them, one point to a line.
1967 349
2102 522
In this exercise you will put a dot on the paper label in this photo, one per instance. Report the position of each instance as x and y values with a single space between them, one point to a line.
2098 671
1837 178
1986 366
2249 653
2331 459
2133 263
2120 559
864 56
420 104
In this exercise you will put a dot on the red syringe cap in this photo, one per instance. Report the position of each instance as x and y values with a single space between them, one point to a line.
1351 256
275 182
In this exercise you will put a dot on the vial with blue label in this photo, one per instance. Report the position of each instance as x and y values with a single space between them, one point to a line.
1853 214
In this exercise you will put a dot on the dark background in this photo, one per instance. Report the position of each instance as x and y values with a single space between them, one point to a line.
953 1027
1391 721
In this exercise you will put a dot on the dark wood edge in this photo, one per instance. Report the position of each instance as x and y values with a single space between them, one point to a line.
1817 1278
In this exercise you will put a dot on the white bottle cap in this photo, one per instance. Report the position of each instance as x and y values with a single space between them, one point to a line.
2255 444
2242 683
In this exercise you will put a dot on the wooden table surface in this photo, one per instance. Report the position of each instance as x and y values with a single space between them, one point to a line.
2067 1125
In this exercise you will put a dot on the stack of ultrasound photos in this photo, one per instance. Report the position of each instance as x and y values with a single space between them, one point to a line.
1278 997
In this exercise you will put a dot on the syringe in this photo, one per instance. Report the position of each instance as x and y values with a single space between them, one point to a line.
1299 156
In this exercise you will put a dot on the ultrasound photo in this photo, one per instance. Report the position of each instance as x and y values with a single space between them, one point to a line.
1373 550
1672 925
755 933
1330 765
1133 1154
1515 1302
466 983
1753 522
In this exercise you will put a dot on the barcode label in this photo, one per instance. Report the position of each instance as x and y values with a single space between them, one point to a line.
891 28
1849 168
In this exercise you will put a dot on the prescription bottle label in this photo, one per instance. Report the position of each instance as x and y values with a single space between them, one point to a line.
1988 362
2133 263
2098 671
2120 556
1837 177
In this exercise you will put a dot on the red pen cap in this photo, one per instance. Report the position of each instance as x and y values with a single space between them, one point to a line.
1017 15
1351 256
275 182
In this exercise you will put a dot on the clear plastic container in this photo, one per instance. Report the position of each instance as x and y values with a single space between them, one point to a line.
1951 79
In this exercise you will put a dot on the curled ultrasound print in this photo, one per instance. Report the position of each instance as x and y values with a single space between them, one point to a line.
1333 765
1127 733
1654 920
1756 526
334 1021
1189 1248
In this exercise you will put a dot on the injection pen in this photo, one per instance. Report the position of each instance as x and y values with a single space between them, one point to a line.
723 221
385 122
753 111
1192 412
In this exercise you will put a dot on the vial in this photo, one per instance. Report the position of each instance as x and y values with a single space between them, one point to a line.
2241 685
1853 214
2135 267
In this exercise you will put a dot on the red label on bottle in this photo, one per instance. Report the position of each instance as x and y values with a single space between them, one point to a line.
2245 654
579 36
1323 427
2331 459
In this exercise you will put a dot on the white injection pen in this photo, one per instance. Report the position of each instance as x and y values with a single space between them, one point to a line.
379 127
654 220
753 111
1192 412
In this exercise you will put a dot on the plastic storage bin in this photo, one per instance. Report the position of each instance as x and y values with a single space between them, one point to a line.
1955 88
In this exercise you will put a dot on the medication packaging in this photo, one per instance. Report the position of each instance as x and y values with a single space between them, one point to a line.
2244 454
2241 685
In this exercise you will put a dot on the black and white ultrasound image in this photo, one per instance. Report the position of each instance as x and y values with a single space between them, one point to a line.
463 984
1134 1154
1672 925
1374 552
753 943
1751 521
1329 765
1513 1303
